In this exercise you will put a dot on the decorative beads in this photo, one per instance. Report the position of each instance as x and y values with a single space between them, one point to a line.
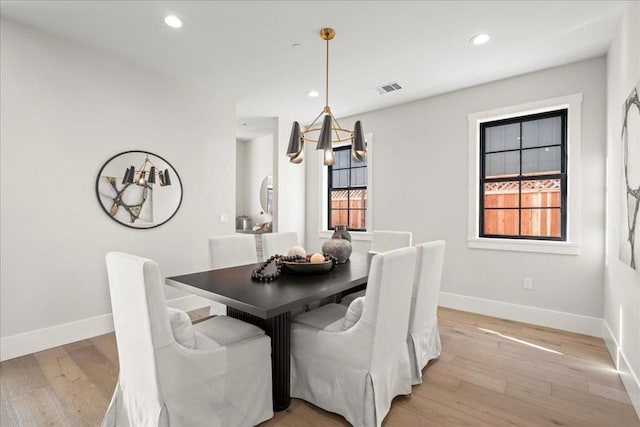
257 273
331 258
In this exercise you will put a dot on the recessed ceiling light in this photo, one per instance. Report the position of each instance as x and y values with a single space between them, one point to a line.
481 38
313 93
173 21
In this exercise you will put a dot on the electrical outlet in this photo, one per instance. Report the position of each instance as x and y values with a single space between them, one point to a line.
527 283
224 218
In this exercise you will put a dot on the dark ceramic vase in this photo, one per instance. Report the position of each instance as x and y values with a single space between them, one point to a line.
341 233
339 248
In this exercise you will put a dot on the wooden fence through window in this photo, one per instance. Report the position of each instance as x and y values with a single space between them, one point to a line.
349 207
540 208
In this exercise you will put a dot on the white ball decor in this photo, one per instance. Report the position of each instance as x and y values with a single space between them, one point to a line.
297 251
316 258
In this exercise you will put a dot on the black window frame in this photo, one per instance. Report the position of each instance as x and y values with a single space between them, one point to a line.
352 165
519 178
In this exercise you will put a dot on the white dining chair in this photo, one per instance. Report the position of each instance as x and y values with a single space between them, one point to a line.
382 241
354 361
423 340
278 243
172 374
230 250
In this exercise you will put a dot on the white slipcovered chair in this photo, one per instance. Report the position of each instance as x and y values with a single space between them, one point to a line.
278 243
220 381
423 340
382 241
354 361
232 250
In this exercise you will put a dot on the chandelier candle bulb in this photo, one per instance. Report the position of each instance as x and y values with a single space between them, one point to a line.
329 158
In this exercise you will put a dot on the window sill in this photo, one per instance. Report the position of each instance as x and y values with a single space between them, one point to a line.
540 246
355 235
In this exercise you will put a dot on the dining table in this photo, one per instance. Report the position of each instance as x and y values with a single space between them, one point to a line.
268 304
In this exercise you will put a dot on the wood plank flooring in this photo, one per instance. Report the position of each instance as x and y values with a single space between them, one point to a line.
491 372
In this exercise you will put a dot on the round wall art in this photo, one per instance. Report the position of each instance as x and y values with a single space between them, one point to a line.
139 189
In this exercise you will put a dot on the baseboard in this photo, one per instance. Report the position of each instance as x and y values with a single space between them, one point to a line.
625 371
42 339
521 313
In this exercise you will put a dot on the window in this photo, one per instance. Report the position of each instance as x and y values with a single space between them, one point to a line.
528 197
523 177
347 191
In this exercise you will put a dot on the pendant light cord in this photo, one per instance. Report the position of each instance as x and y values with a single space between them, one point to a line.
327 77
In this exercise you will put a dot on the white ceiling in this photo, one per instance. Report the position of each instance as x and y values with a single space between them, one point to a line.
243 50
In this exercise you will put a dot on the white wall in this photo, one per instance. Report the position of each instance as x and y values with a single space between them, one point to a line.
622 284
288 184
420 177
257 164
241 147
65 111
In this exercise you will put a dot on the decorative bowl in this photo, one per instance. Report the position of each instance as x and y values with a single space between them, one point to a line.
308 268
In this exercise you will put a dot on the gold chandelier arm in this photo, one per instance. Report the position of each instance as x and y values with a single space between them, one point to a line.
309 132
313 122
334 119
338 127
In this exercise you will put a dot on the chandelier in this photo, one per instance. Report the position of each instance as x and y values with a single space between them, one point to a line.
329 131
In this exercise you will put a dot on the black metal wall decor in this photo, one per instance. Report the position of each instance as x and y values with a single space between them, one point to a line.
143 196
629 252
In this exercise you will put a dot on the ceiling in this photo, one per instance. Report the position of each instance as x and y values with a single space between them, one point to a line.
244 50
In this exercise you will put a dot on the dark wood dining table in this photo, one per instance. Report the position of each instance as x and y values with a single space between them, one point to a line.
269 304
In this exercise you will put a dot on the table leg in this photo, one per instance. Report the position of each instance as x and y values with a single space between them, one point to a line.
278 328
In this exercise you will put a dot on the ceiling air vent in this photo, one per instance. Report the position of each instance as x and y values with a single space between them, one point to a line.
388 87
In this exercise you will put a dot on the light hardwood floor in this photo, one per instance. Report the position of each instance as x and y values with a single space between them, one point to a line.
491 372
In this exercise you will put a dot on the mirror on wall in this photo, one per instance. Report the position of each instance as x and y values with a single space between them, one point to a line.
255 193
139 189
266 194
